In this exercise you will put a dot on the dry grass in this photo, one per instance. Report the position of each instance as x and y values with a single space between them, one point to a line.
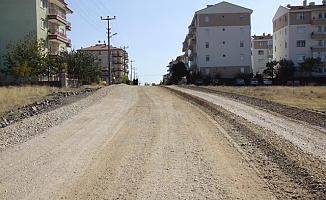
305 97
15 97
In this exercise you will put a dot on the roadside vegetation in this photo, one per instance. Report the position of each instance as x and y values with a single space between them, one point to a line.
308 97
14 97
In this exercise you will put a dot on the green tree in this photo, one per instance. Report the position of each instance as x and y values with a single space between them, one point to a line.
285 70
269 71
25 59
81 64
310 65
178 70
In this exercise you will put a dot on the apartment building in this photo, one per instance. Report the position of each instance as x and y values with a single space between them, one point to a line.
46 17
262 52
299 32
119 60
219 40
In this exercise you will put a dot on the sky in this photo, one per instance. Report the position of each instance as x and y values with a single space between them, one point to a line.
152 30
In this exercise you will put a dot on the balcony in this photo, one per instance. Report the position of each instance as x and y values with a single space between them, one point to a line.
192 29
68 43
57 17
68 26
116 54
116 62
318 35
318 48
56 36
321 21
184 46
192 56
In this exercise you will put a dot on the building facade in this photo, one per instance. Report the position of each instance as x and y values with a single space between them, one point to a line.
119 60
262 52
299 32
47 18
219 41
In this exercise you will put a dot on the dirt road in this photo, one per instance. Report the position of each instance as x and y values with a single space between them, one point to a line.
147 143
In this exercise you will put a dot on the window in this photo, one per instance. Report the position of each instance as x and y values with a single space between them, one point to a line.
301 30
286 32
320 43
241 44
207 45
241 17
260 52
241 56
320 29
301 43
42 23
286 45
260 44
241 31
301 57
99 53
207 57
270 43
242 70
206 19
320 15
301 16
206 31
42 4
207 71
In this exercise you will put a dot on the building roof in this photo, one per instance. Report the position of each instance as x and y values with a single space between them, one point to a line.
224 7
280 12
99 47
260 37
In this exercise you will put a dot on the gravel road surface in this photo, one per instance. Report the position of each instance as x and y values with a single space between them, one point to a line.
127 142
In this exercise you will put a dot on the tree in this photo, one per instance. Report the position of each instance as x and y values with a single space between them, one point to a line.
178 70
269 71
25 59
285 70
310 65
81 64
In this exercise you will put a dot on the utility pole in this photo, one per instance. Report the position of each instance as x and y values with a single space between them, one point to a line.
109 54
131 69
124 59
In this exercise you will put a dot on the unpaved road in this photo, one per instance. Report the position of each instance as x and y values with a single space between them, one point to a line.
151 143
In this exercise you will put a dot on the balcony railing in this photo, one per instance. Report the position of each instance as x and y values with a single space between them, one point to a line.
316 21
68 26
57 32
318 35
69 44
56 16
319 47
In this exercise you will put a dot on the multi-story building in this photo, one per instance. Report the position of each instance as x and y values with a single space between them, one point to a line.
262 52
219 40
47 18
299 32
119 60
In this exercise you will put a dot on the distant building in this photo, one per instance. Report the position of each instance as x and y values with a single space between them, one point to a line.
299 32
46 17
262 52
219 41
119 60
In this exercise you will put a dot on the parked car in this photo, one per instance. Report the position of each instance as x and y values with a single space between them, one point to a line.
214 82
199 82
267 81
239 82
254 82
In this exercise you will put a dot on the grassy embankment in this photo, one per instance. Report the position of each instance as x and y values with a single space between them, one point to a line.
16 97
313 98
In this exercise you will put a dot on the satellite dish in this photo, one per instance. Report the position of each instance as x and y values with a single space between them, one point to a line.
99 41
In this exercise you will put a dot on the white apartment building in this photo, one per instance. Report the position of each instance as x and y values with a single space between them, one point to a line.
262 52
299 32
219 40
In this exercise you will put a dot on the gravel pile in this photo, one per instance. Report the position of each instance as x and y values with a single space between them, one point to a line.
25 123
